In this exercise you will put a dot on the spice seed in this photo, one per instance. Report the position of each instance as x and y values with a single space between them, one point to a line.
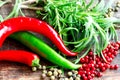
70 73
77 78
52 69
75 72
52 78
45 71
49 73
44 67
43 75
71 78
59 71
61 79
34 69
55 73
66 79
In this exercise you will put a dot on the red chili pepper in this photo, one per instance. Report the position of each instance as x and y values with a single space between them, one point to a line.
20 56
25 23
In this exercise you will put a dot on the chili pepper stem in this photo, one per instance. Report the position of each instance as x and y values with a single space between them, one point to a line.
35 62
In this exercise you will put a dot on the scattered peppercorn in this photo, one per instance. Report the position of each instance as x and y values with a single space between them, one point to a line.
59 71
95 65
55 73
49 73
45 71
43 67
70 73
43 75
34 69
66 79
52 78
71 78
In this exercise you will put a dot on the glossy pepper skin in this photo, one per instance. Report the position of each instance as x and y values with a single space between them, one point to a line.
39 47
20 56
12 25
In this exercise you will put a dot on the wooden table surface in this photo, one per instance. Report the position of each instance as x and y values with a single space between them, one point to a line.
17 71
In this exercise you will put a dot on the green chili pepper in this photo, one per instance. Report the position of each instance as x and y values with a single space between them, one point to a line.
38 46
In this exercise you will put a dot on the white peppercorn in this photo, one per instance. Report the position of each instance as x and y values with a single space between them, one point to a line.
52 78
71 78
77 78
49 73
55 73
70 73
59 71
43 67
43 75
34 69
45 71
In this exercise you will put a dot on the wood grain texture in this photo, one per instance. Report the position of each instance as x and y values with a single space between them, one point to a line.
16 71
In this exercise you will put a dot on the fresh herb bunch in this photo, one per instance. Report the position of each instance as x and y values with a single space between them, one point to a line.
80 24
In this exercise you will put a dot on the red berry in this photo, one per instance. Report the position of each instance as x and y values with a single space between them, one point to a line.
110 60
85 78
86 57
83 75
90 58
84 65
101 65
107 66
112 56
93 75
116 67
109 46
116 47
96 65
81 68
80 72
87 69
103 69
105 54
118 42
82 60
99 74
111 67
88 73
89 77
115 53
111 50
109 54
90 53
